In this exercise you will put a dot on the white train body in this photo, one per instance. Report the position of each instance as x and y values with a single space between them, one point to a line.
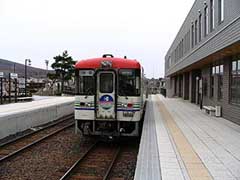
110 96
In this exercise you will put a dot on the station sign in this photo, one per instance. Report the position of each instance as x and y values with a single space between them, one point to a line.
13 75
21 83
1 74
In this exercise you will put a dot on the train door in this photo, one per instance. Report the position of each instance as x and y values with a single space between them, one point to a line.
105 101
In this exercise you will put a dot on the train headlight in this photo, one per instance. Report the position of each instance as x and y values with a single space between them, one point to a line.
124 105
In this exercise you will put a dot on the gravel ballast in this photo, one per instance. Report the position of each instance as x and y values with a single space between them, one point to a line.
48 160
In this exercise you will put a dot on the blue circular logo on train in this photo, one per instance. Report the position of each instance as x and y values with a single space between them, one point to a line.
106 102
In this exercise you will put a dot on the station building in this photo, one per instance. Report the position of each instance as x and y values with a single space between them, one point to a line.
203 63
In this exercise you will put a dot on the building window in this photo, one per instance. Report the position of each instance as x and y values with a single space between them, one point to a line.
217 70
196 32
185 44
220 82
169 61
211 15
205 86
200 27
220 11
188 41
175 54
205 21
235 82
192 36
182 47
212 81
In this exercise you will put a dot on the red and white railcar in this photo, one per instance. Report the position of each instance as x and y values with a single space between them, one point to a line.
110 96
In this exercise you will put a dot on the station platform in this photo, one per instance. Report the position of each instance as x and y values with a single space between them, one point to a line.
181 142
17 117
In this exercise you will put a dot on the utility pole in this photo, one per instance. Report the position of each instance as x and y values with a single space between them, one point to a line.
27 62
46 61
9 88
14 67
1 88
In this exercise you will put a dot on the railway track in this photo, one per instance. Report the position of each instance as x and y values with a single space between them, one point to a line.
18 145
96 163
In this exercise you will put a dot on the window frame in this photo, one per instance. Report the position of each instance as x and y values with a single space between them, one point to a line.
206 25
110 90
220 11
212 86
78 82
212 19
196 32
192 35
236 84
212 79
137 74
200 27
220 81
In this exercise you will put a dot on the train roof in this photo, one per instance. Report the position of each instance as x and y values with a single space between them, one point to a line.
118 63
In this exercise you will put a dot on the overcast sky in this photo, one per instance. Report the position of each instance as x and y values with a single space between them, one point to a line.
139 29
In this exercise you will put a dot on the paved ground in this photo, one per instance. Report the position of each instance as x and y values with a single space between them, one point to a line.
17 117
149 169
38 102
190 143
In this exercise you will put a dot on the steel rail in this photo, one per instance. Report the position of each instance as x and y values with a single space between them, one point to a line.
112 163
74 166
14 153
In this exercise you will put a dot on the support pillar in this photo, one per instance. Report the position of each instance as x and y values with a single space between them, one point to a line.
192 87
186 86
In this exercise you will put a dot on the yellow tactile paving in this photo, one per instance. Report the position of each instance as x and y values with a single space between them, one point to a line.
195 167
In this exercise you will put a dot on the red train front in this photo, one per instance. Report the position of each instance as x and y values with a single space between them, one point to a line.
110 96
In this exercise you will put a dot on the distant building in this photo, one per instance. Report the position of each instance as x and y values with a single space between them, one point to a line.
153 86
162 82
156 86
36 78
203 62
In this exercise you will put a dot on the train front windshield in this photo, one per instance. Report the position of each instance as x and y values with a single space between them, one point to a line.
129 82
85 83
